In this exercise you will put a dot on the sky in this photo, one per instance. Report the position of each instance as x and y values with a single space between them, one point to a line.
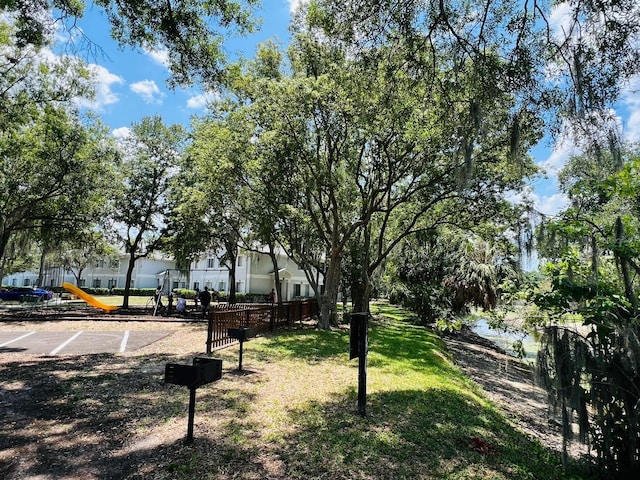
132 85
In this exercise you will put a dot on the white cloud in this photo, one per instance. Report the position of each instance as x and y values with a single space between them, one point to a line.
200 101
545 204
148 90
561 20
122 132
631 100
562 150
550 205
160 56
294 5
104 82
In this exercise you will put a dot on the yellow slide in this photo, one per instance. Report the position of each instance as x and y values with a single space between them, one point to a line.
93 301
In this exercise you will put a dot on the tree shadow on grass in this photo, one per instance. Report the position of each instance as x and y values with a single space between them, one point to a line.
410 435
80 416
113 417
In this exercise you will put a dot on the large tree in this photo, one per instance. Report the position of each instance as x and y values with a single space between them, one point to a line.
140 207
375 147
55 163
87 248
593 247
222 151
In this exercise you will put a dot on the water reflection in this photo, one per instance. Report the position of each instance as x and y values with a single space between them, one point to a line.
506 339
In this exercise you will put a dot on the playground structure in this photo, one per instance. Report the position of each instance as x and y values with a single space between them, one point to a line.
91 300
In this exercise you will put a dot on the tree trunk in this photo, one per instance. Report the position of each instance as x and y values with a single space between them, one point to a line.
330 297
41 267
276 275
4 240
127 284
361 290
78 276
624 267
232 282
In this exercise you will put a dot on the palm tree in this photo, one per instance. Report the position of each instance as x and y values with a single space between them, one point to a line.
480 271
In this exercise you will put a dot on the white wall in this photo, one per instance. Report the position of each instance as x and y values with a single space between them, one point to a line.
254 275
148 273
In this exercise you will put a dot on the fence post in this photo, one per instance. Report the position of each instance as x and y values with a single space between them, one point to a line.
288 313
210 332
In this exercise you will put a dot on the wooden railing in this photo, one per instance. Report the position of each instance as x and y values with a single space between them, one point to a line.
259 318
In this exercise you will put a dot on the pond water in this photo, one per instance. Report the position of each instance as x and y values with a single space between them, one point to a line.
505 339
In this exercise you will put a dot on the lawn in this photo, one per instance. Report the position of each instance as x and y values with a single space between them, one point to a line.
291 414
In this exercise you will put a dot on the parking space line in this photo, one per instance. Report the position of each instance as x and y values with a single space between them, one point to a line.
55 351
16 339
125 339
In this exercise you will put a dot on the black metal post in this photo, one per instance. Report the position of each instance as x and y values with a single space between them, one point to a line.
240 356
362 325
192 412
210 334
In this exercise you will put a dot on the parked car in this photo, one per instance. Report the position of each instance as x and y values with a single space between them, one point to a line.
21 294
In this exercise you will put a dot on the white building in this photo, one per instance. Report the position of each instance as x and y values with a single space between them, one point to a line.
254 275
147 273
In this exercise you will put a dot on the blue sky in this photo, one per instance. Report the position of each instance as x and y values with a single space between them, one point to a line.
132 85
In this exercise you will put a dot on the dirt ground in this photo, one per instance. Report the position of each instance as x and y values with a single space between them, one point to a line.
509 383
50 425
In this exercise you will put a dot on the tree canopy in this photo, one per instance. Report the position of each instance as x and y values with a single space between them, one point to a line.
140 206
192 31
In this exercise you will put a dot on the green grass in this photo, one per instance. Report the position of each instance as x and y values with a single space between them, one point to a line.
291 415
422 413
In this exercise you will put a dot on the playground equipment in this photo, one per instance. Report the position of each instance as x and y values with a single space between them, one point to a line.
91 300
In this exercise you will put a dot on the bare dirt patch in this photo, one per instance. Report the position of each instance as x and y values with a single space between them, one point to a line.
510 383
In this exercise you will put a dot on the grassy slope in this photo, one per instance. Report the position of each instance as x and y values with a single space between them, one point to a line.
298 421
290 415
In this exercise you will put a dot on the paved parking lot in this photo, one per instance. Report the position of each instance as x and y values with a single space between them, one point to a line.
76 343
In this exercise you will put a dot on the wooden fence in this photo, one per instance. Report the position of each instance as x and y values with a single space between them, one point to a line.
259 318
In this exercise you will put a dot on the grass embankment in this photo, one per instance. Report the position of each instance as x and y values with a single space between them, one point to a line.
424 418
290 415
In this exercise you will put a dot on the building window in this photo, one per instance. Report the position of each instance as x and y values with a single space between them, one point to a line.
114 264
100 263
26 282
221 286
83 282
112 283
211 263
97 282
240 287
14 282
296 289
196 285
241 261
